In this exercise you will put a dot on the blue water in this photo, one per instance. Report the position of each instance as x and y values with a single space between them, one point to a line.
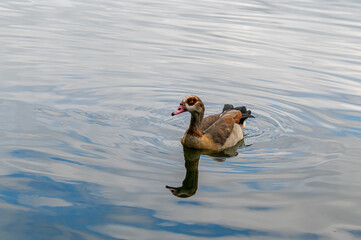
88 145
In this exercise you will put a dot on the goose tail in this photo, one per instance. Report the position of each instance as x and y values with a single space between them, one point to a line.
245 112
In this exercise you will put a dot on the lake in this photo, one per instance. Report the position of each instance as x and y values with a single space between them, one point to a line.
88 143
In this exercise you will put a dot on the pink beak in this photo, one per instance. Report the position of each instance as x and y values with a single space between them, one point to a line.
179 110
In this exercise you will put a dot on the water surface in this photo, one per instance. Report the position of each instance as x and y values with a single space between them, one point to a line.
88 144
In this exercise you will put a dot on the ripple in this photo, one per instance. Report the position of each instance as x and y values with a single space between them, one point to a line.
86 95
163 137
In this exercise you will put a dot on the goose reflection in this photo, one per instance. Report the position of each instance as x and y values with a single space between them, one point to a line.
191 156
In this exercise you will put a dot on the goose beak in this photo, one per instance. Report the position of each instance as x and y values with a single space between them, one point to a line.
179 110
174 190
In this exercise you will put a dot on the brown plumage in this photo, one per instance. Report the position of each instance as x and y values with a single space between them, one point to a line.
215 132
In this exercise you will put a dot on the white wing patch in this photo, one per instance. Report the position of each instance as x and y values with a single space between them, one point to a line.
235 136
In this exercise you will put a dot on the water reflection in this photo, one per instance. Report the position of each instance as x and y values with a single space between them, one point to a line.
87 140
191 157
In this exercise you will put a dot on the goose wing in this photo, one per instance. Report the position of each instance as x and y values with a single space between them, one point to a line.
208 121
222 128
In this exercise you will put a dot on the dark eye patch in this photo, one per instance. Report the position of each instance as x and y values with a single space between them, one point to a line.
191 101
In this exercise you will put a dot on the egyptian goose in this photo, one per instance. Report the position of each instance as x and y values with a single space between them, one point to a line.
216 132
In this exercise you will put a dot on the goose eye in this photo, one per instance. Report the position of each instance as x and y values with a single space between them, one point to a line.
191 102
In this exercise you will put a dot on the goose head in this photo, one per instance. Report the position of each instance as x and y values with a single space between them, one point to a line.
190 103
